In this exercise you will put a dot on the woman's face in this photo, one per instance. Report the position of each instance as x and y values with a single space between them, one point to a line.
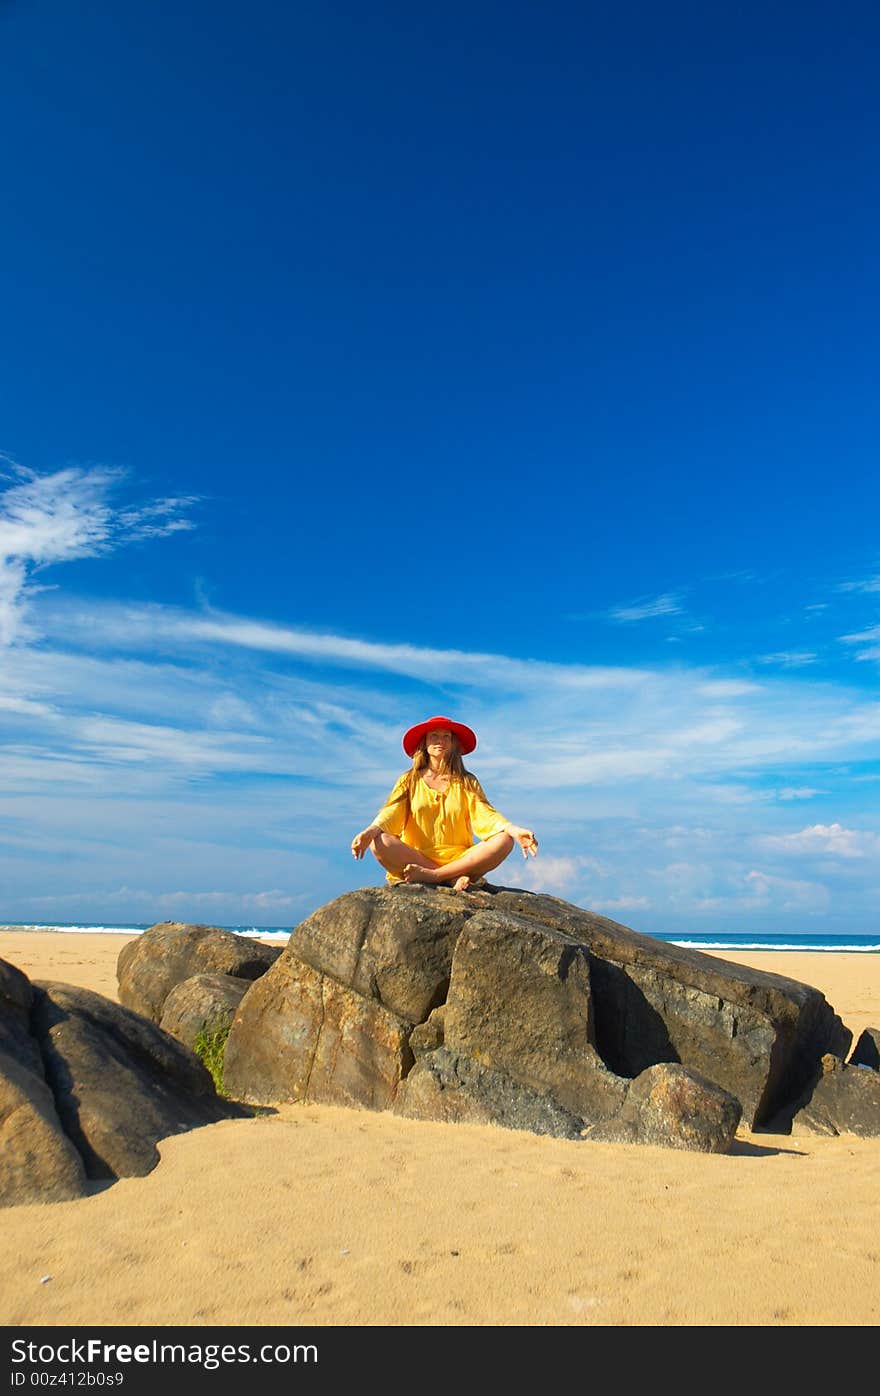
438 742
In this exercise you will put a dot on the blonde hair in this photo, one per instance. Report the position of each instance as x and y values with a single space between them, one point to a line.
451 765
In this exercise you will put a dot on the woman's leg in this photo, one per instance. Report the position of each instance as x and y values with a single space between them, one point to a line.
482 858
395 855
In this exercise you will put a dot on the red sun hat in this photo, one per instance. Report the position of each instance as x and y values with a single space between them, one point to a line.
467 739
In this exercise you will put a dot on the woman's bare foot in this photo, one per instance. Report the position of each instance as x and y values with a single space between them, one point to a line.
414 872
461 884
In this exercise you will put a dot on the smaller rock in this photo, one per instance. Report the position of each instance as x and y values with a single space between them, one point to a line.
453 1088
845 1100
153 963
867 1050
204 1003
120 1083
675 1108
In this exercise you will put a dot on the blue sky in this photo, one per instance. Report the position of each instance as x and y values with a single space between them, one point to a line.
516 362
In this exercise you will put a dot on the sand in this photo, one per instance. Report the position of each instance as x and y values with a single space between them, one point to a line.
319 1216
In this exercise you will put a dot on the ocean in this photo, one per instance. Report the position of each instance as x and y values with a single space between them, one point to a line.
865 944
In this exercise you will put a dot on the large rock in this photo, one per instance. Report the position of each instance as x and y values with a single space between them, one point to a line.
844 1100
674 1108
299 1035
38 1163
166 954
480 1005
204 1003
120 1083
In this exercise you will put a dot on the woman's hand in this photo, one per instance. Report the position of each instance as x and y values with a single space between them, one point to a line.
525 838
361 842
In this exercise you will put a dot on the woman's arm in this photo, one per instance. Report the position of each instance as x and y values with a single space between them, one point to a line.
391 818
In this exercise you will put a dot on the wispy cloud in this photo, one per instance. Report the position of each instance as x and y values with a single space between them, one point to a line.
788 659
150 749
58 517
669 604
864 638
151 628
866 584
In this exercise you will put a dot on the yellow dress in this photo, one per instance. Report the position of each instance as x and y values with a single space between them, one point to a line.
441 824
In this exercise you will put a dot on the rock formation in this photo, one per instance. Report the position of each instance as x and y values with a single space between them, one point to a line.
844 1099
149 967
87 1089
522 1009
494 1006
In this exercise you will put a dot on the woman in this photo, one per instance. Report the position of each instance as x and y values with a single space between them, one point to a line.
425 831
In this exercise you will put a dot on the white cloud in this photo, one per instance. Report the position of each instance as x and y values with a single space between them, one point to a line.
143 745
48 519
11 704
669 604
620 903
864 637
790 894
866 584
789 659
827 839
726 688
542 726
541 874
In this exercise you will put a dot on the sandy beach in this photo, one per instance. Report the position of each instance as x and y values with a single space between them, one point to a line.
321 1216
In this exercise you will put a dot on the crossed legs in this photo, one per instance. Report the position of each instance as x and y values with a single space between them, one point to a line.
407 863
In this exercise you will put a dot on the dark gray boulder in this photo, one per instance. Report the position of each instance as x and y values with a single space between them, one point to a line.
844 1100
204 1003
37 1161
758 1035
867 1050
120 1084
520 1000
166 954
454 1088
669 1106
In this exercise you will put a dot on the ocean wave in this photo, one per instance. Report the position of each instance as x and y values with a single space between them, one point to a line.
252 932
858 947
